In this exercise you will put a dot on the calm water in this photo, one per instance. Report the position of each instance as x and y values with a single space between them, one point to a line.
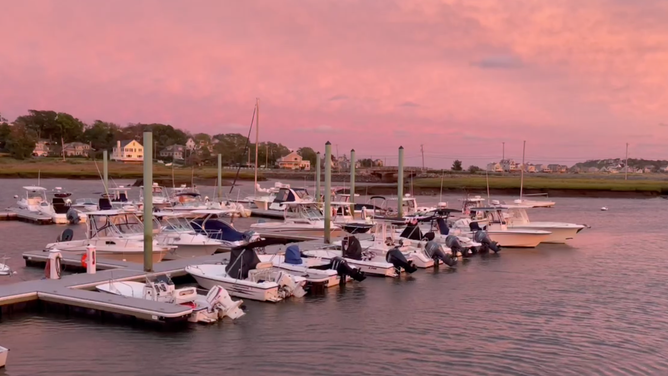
593 307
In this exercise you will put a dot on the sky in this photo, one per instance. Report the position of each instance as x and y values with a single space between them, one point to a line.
574 79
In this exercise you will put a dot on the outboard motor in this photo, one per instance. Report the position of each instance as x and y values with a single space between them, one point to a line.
344 269
435 251
73 216
396 258
452 242
481 236
429 236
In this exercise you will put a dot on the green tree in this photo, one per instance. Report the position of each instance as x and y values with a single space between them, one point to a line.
51 125
366 162
308 154
21 142
232 147
474 169
5 131
457 165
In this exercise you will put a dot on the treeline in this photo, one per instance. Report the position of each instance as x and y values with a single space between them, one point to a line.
19 139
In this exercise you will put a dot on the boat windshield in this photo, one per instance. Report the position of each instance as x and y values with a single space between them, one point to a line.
301 193
310 212
516 216
189 199
177 224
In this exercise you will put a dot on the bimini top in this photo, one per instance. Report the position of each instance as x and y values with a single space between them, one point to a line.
120 188
34 188
109 212
171 214
214 211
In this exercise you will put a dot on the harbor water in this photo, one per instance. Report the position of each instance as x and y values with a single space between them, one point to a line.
595 306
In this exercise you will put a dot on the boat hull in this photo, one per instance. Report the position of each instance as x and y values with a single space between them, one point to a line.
191 250
239 288
512 239
559 234
4 352
309 232
382 269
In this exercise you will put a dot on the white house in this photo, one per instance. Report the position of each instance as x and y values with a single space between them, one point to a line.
173 151
190 144
77 149
128 151
42 148
294 161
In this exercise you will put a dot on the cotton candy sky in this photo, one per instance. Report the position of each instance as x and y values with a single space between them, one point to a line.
575 79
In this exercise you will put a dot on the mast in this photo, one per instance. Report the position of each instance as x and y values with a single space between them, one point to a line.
257 138
522 170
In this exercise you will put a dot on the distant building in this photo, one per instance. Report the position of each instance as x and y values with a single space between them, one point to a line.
190 144
294 161
42 148
494 167
176 152
77 149
128 151
530 168
510 165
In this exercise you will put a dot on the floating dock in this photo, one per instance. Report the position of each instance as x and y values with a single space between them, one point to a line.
70 292
8 216
25 216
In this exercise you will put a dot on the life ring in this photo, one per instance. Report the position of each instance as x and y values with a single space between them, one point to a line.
47 270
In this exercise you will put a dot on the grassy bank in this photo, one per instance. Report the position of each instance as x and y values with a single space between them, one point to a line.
76 168
552 184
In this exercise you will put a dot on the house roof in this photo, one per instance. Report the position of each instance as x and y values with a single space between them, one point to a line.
290 157
172 148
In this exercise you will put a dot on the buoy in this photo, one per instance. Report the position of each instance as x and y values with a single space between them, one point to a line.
605 208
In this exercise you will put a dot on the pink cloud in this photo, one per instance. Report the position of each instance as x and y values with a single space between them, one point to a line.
576 80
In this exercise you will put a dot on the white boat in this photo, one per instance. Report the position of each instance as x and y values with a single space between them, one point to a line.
343 216
313 270
118 198
409 206
498 231
115 234
212 223
176 230
518 219
4 353
85 205
60 210
33 200
299 218
4 268
263 197
535 203
160 196
248 278
389 264
206 309
286 195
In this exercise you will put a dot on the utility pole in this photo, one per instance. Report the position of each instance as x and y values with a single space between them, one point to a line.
626 164
422 151
503 152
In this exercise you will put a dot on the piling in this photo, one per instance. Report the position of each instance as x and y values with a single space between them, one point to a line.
148 201
317 177
328 192
352 176
400 183
105 170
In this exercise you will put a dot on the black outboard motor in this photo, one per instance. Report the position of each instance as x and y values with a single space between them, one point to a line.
481 236
429 236
435 251
73 216
452 242
396 258
344 269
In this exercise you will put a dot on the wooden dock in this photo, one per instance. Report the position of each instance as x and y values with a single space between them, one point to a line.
25 216
71 290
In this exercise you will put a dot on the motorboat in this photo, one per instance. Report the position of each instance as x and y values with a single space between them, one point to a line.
34 198
177 230
498 231
264 197
60 209
389 206
159 195
286 195
518 219
117 198
362 208
535 203
299 218
115 234
390 264
4 353
85 205
245 276
329 273
211 223
216 305
343 216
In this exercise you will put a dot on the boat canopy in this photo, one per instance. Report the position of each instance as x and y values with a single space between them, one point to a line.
292 255
351 248
241 261
34 188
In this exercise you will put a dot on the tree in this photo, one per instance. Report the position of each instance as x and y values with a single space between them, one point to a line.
21 142
270 152
366 162
232 147
474 169
51 125
5 131
102 135
457 165
308 154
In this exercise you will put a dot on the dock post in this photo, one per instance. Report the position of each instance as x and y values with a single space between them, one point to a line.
53 264
328 192
91 262
220 177
105 170
400 184
148 201
317 177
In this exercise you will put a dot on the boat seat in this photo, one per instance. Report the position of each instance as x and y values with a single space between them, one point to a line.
264 265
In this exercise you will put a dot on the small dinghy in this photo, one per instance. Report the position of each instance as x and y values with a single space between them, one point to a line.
4 352
207 309
389 265
246 276
4 268
329 272
605 208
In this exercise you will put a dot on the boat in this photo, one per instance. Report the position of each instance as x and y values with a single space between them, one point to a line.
388 207
299 218
263 197
117 198
329 273
159 194
245 276
391 264
116 235
216 305
362 208
517 218
177 230
287 195
535 203
605 208
4 268
35 198
498 231
344 217
85 205
211 223
60 210
4 353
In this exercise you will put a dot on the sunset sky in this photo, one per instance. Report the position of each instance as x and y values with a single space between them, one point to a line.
575 79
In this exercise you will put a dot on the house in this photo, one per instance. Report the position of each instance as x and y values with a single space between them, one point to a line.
553 167
176 152
128 151
494 167
190 144
509 165
77 149
530 168
42 148
294 161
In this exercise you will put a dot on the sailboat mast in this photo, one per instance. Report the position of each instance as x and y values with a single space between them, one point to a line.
257 138
524 146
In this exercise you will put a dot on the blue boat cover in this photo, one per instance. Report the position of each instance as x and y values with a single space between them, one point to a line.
292 255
